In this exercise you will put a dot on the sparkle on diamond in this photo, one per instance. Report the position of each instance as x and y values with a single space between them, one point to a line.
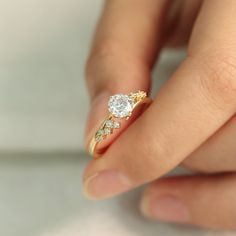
120 105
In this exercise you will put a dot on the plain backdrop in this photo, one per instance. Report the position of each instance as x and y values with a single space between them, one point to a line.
43 48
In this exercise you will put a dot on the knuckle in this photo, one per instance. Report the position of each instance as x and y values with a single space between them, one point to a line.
102 54
110 65
219 79
107 49
101 65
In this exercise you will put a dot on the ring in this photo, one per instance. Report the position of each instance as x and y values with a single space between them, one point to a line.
120 107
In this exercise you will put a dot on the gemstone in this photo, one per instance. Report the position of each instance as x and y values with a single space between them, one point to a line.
107 131
116 125
120 105
99 135
109 123
112 124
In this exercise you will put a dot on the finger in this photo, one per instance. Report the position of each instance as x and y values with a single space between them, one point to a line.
218 153
181 23
127 40
193 104
207 201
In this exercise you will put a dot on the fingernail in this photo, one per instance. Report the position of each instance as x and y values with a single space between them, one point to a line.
165 208
97 113
105 184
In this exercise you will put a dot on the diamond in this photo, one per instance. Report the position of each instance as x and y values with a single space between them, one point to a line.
112 124
109 123
120 105
107 131
99 135
116 125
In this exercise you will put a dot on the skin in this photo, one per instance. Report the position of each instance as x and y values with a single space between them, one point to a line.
191 121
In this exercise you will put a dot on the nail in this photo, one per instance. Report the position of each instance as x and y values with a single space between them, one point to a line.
165 208
106 184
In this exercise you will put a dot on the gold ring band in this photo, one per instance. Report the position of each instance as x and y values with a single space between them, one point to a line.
120 106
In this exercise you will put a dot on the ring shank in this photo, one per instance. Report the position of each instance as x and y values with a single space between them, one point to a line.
93 145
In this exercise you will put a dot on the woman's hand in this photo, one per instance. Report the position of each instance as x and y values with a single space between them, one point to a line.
191 120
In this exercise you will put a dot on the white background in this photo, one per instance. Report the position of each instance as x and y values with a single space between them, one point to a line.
43 46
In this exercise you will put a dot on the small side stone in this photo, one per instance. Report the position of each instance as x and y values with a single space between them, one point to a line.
116 125
109 123
106 131
99 135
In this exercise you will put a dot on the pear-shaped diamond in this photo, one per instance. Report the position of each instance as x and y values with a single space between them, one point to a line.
112 124
99 135
109 123
107 131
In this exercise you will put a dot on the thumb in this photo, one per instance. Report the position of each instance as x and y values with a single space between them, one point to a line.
125 46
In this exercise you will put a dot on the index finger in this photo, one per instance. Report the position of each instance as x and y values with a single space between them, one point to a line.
195 102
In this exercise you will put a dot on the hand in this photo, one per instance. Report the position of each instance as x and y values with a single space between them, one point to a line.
191 120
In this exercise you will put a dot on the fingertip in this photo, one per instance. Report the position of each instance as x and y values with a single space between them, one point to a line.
105 184
164 205
165 208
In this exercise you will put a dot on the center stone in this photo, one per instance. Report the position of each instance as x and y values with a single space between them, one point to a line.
120 105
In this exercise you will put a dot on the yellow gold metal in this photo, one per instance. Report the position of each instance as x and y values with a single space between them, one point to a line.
138 98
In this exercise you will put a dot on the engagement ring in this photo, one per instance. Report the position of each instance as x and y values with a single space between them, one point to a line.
120 107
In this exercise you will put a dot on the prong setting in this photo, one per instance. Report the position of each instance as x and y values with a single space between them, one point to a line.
119 106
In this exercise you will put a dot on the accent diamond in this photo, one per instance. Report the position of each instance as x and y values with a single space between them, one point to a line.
109 123
116 125
112 124
107 131
99 135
